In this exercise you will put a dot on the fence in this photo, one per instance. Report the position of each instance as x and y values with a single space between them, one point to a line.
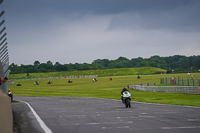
172 89
81 76
182 82
6 122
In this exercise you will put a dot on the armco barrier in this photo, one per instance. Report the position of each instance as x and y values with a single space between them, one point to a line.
175 89
6 119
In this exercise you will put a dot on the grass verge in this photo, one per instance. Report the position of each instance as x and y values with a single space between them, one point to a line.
104 88
100 72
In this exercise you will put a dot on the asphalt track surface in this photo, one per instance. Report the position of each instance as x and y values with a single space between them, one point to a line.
93 115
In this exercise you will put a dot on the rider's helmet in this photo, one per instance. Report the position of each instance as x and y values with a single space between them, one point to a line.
124 88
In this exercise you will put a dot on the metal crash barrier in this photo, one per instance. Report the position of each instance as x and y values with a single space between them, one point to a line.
6 117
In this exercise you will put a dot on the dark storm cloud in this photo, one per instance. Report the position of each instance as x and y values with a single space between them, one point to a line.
85 30
181 15
102 6
187 10
119 6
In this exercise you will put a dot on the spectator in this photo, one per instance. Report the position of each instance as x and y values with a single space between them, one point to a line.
10 95
3 80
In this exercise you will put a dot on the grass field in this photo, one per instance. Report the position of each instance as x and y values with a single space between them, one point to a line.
104 88
100 72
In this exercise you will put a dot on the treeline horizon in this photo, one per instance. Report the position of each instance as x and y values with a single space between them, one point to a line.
173 64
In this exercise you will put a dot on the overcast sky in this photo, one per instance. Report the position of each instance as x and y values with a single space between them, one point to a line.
78 31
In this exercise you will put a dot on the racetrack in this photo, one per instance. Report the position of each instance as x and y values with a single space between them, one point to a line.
94 115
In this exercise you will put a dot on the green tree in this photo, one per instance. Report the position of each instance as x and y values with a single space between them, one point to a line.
101 63
136 62
36 63
59 67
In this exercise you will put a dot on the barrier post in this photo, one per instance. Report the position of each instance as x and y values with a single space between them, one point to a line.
199 90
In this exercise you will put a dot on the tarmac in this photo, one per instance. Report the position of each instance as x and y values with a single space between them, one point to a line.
95 115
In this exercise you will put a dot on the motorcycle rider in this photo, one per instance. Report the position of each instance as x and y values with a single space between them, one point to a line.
123 90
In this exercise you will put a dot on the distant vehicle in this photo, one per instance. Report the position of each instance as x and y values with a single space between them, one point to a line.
126 99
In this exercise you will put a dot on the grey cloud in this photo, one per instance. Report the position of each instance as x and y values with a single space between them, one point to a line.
182 17
85 30
98 6
153 13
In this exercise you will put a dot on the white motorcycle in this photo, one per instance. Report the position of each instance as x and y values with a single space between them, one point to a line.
126 99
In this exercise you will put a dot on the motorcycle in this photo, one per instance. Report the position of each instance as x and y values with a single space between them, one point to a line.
126 99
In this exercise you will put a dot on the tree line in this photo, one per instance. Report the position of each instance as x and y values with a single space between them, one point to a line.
176 63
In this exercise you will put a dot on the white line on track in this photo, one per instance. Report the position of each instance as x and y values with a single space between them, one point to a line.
42 124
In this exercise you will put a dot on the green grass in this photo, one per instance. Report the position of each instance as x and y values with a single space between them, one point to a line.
103 88
100 73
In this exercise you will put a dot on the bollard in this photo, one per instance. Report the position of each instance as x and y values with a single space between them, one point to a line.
199 90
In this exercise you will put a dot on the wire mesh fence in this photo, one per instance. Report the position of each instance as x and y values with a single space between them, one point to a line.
180 82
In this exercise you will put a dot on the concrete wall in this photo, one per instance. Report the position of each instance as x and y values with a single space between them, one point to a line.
177 89
6 118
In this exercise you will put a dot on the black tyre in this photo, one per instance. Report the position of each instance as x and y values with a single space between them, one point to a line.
127 103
